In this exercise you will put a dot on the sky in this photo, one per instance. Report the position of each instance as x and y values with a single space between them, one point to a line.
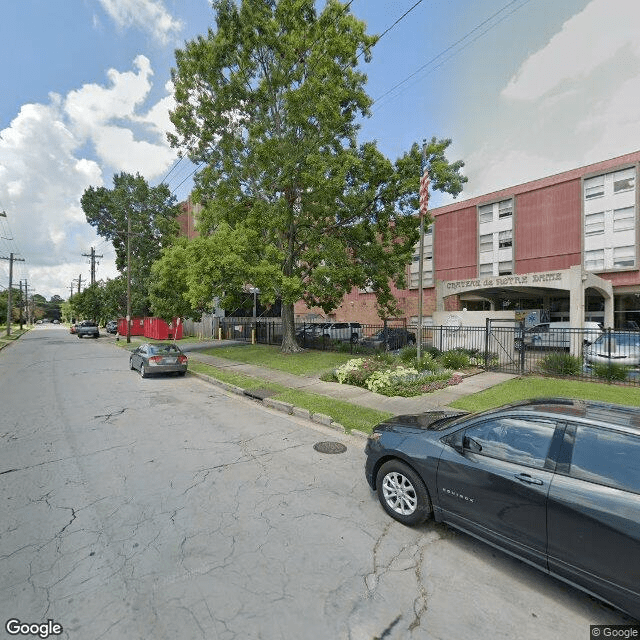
523 88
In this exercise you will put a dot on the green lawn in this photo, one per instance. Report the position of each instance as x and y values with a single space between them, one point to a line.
534 387
301 364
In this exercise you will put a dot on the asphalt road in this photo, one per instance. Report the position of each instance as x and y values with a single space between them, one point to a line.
163 508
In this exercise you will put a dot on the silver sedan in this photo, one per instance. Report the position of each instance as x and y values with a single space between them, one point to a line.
163 357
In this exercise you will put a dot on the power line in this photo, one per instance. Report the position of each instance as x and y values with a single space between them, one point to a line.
455 44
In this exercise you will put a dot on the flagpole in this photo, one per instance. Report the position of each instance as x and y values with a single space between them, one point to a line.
424 196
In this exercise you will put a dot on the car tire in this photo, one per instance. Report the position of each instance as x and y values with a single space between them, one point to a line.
518 344
143 371
131 368
182 373
354 338
411 342
402 493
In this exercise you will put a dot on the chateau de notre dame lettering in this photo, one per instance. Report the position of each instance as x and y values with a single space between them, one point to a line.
502 281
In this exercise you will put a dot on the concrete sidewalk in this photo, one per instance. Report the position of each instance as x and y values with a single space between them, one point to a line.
358 395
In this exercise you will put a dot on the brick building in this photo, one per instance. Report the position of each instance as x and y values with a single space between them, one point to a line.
566 244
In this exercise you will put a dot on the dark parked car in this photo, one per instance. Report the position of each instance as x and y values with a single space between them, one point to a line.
112 326
158 358
87 329
390 339
554 482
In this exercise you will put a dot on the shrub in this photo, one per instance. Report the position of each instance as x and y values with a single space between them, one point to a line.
346 373
427 363
611 371
408 354
382 381
562 364
455 359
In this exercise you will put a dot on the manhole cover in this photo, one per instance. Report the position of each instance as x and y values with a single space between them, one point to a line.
329 447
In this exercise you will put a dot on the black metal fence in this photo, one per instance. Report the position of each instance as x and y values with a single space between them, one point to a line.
600 355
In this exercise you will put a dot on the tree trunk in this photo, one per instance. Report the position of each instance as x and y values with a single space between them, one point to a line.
289 342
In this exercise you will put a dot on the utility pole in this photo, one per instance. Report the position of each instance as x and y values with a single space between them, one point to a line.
424 202
93 257
11 259
79 282
22 299
128 276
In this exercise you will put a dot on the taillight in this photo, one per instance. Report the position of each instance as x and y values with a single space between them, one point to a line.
182 359
154 360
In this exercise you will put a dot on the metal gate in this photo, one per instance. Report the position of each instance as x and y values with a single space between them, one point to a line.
503 349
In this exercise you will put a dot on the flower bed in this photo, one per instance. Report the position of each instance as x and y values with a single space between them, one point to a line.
403 375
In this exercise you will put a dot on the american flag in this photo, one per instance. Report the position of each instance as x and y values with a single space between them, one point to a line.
424 190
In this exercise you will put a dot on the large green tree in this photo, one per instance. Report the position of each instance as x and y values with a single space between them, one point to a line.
269 103
143 216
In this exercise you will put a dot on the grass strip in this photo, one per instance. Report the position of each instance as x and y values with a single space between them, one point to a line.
350 416
537 387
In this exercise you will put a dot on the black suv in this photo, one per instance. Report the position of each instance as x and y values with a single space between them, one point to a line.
554 482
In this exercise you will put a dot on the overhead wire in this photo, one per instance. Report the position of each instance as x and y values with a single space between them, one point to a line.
455 44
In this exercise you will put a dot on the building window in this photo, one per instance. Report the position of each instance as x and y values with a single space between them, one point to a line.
594 223
624 180
505 209
486 269
486 242
594 187
624 219
594 260
505 268
623 257
505 239
485 213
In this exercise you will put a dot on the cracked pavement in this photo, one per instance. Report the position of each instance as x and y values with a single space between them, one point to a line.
165 508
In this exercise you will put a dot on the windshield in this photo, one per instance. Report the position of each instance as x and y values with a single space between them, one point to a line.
163 349
619 339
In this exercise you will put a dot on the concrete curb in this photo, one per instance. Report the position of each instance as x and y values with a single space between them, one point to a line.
284 407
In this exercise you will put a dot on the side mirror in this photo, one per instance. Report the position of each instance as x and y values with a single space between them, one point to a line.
472 445
456 441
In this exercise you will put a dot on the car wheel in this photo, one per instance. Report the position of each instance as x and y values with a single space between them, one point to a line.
131 364
354 338
143 371
518 344
411 342
182 373
402 493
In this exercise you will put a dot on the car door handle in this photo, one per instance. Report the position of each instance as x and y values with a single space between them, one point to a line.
525 477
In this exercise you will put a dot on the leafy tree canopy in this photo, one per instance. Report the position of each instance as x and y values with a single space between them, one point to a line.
134 211
269 104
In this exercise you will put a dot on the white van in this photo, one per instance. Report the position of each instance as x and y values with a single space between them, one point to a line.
558 335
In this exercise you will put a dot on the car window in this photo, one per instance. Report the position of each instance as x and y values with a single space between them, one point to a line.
514 439
606 457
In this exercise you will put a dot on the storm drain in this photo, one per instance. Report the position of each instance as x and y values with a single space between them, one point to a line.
329 447
260 394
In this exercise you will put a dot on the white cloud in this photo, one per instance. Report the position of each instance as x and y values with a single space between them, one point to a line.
107 116
586 41
148 15
46 164
572 102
